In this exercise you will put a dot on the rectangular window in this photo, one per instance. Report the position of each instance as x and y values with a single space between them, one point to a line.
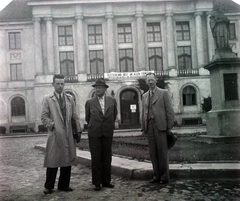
155 58
95 34
96 62
232 31
67 63
153 32
65 35
184 57
16 72
183 31
230 86
126 60
14 40
124 33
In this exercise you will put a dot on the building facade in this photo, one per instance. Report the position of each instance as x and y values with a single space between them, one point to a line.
118 40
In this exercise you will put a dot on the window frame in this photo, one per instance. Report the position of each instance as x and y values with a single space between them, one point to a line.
155 57
126 58
18 110
67 61
182 32
95 34
17 42
189 99
96 60
65 36
185 56
19 75
154 32
125 33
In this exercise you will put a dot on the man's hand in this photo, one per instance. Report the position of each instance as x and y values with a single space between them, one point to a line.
51 127
143 132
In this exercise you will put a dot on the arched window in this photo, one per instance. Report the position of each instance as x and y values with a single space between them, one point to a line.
18 107
189 96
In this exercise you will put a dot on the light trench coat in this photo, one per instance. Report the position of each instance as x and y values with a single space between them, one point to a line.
61 147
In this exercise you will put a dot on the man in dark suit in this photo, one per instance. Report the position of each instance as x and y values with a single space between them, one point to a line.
101 113
157 121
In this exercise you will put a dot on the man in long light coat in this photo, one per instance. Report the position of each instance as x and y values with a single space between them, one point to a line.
58 111
157 121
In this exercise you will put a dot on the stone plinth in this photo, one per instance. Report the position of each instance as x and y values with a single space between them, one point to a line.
223 123
224 118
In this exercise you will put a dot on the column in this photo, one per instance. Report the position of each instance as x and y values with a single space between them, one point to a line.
199 39
110 44
140 42
140 38
50 50
80 45
211 48
170 41
37 46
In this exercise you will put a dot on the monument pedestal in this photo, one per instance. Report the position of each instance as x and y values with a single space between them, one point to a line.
223 121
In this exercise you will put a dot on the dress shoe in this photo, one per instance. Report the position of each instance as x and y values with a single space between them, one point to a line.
108 185
47 191
163 181
97 188
65 189
154 181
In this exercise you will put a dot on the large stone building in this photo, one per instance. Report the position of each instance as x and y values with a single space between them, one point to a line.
119 40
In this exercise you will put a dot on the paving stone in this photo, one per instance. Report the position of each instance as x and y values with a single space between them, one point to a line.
22 177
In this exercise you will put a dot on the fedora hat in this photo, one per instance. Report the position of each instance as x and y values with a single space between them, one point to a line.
100 82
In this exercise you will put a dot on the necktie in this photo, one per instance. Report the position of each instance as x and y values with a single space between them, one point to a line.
60 100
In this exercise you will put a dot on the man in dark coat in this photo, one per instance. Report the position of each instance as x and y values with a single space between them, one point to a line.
57 112
157 121
101 113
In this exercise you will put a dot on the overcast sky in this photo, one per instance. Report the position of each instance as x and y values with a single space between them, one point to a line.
3 3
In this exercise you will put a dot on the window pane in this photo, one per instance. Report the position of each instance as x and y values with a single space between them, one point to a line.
95 34
67 63
124 33
18 107
14 40
96 61
126 60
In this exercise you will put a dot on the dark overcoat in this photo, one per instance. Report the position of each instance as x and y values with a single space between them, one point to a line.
100 124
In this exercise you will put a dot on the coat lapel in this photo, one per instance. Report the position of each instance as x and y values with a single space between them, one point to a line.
107 104
96 102
58 107
156 96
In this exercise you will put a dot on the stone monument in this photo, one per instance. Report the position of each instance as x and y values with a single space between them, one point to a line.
223 121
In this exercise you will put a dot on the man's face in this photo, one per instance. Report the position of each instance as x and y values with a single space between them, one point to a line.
151 81
58 85
100 90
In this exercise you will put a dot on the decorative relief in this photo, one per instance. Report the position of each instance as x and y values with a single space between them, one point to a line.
15 56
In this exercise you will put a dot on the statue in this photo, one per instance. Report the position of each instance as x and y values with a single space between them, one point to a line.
219 24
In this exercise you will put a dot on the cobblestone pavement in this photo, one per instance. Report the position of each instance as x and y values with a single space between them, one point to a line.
22 178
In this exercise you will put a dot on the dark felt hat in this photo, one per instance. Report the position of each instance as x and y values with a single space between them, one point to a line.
171 139
100 82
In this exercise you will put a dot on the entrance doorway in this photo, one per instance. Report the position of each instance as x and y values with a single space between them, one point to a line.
129 109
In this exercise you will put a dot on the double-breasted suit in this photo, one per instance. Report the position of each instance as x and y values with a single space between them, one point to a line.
100 132
156 126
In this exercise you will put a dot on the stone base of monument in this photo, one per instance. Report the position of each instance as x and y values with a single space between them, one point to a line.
223 126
